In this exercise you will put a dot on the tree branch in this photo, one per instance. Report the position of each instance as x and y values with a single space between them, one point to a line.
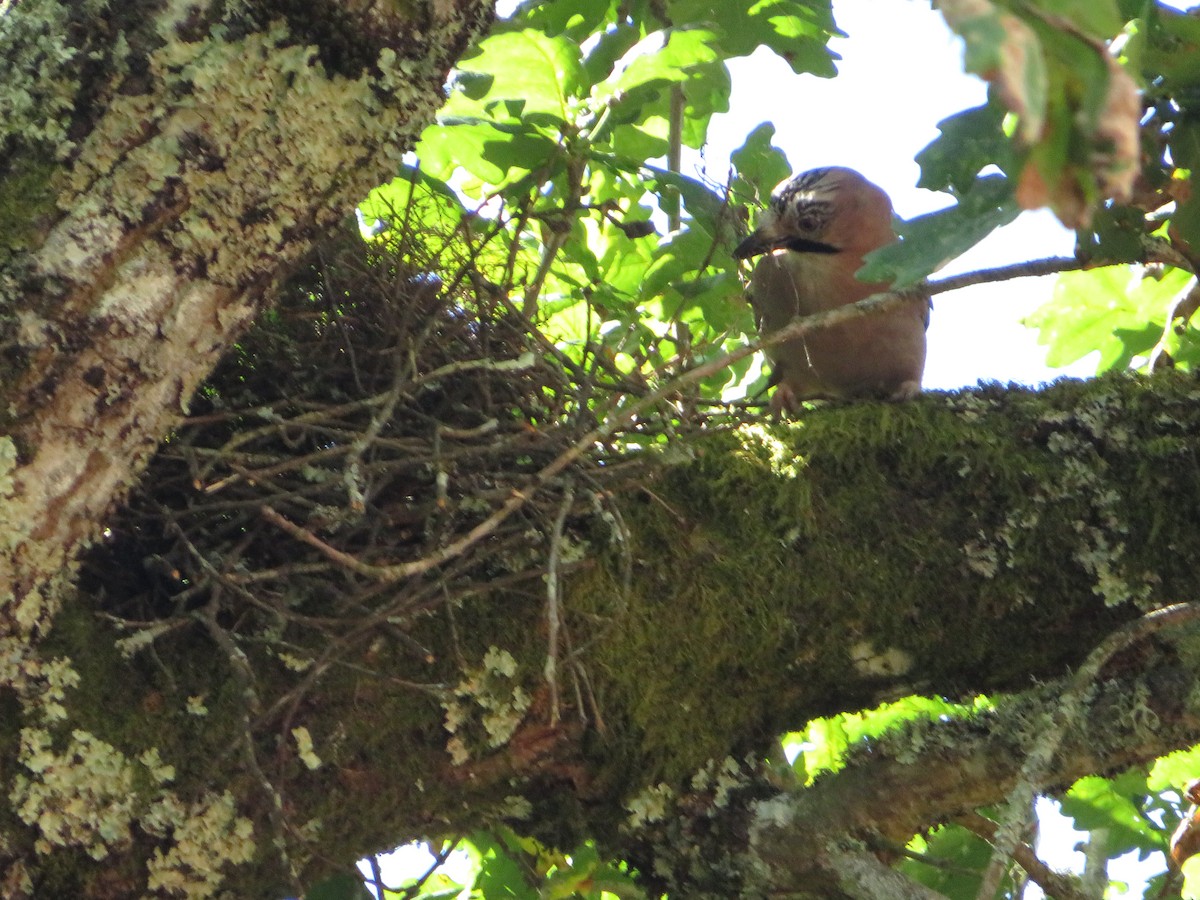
1054 884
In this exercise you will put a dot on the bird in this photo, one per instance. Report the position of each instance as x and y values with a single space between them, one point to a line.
812 238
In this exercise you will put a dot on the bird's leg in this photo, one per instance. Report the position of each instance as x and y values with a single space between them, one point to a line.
906 391
783 400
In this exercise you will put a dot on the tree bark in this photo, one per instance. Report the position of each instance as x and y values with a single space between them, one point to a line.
945 546
162 165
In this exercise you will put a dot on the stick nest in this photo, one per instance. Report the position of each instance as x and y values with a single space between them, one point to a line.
392 435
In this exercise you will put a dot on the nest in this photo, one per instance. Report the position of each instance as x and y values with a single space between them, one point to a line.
392 436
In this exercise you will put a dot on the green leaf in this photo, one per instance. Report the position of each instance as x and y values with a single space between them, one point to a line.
565 882
624 263
1113 310
1098 19
969 142
829 739
1173 51
719 298
760 164
1114 235
1078 74
636 92
1186 220
799 32
647 139
1191 879
472 85
678 258
1173 771
545 72
1185 142
576 19
607 48
660 59
958 859
705 92
827 742
1095 802
1001 48
413 192
493 153
707 208
500 875
928 242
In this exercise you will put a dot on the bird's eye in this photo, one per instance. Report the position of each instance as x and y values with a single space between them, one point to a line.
811 217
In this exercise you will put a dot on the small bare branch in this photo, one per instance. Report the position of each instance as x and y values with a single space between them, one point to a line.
1054 884
553 614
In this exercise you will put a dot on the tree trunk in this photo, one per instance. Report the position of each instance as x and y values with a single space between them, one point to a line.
161 166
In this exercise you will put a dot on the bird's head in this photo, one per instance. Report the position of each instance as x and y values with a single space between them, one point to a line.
822 211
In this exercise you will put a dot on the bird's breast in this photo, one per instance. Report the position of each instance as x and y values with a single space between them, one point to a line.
786 284
878 355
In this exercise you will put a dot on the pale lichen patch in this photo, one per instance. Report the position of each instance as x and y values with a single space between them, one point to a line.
208 836
80 796
1076 484
38 91
871 662
40 685
304 748
649 805
490 696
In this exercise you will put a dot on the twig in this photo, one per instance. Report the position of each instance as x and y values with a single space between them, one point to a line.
351 467
1068 711
525 361
559 228
1054 884
552 611
318 415
244 674
377 877
439 860
1155 250
1033 268
290 464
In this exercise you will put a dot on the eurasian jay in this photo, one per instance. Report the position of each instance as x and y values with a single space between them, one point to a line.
813 237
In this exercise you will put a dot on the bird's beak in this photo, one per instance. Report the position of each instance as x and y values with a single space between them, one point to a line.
758 242
764 240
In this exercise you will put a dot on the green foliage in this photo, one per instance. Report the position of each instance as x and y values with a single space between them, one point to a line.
825 743
759 164
951 860
1173 771
504 865
1114 804
1117 312
546 138
970 141
929 242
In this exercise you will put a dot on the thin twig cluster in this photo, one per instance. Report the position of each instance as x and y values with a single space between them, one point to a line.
392 437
